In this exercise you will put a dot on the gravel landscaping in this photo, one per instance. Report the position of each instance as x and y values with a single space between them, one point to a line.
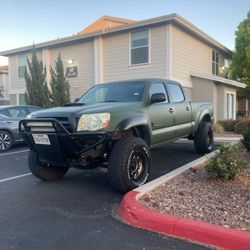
196 195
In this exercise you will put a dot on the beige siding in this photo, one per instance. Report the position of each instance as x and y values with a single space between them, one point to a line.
189 54
83 56
116 57
16 83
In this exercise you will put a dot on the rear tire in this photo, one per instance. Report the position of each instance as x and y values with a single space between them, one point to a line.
43 172
203 138
129 164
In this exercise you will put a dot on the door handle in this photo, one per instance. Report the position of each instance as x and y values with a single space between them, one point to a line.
171 110
187 108
9 121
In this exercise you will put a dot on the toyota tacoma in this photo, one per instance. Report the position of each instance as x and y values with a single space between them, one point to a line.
114 125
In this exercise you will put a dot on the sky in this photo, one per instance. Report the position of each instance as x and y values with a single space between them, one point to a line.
26 22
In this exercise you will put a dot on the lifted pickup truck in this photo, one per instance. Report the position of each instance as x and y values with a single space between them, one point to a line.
114 125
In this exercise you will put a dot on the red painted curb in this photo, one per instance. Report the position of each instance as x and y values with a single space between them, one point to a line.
138 215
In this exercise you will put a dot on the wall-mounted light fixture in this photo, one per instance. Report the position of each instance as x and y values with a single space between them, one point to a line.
71 61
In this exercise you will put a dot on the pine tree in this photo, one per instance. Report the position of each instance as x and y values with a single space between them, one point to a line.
240 67
37 92
60 89
1 91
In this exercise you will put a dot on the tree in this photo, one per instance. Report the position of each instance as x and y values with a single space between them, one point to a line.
60 94
37 92
1 91
240 66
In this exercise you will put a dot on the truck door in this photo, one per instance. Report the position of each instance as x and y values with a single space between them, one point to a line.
160 115
182 110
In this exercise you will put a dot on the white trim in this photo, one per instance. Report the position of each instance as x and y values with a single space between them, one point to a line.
149 50
229 112
169 51
17 91
98 59
218 79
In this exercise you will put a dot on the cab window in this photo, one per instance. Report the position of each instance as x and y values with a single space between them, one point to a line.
176 92
157 88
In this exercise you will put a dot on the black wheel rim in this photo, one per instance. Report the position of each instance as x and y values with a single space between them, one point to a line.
137 168
209 139
5 141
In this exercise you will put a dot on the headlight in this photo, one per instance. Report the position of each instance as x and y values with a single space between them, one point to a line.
29 116
92 122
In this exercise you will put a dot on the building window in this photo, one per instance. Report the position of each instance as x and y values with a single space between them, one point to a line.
22 62
22 99
215 62
139 52
230 105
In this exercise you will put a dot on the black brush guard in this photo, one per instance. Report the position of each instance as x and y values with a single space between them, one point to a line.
64 146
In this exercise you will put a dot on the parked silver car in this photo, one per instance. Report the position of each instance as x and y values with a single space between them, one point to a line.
10 115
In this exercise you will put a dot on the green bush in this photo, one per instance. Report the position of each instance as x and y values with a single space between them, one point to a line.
242 125
228 162
228 125
246 139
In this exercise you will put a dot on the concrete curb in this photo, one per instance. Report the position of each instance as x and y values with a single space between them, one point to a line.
202 232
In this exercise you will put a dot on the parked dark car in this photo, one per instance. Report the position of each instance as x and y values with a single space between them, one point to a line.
10 115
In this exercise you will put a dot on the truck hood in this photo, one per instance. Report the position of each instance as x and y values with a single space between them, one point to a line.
77 111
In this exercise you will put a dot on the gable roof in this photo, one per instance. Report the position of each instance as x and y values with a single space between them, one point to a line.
105 23
172 18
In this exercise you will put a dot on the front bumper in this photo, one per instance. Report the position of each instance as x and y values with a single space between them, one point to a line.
61 146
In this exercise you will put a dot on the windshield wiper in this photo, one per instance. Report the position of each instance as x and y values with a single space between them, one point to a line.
73 104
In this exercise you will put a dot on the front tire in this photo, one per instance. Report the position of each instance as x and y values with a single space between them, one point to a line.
129 164
203 138
44 172
6 140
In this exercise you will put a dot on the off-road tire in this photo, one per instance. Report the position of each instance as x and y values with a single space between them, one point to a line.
129 156
44 172
203 138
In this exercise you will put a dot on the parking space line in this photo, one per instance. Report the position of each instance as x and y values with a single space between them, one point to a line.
14 177
15 152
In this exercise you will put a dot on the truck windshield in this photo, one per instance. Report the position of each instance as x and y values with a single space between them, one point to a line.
114 92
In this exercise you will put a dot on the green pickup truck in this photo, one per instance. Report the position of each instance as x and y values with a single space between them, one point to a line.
113 125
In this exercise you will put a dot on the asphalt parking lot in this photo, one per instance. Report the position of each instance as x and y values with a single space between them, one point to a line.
79 211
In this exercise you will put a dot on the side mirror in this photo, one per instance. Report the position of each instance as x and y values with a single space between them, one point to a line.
158 97
77 99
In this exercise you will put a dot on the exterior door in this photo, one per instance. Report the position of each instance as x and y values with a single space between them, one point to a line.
182 110
160 115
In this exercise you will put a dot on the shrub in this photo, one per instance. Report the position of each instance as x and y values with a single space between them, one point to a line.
242 125
218 128
228 162
228 125
246 139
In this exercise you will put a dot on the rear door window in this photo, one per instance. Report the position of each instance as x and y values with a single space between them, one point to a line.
18 112
176 92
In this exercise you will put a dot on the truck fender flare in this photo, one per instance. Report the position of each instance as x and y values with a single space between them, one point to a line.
204 115
136 121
